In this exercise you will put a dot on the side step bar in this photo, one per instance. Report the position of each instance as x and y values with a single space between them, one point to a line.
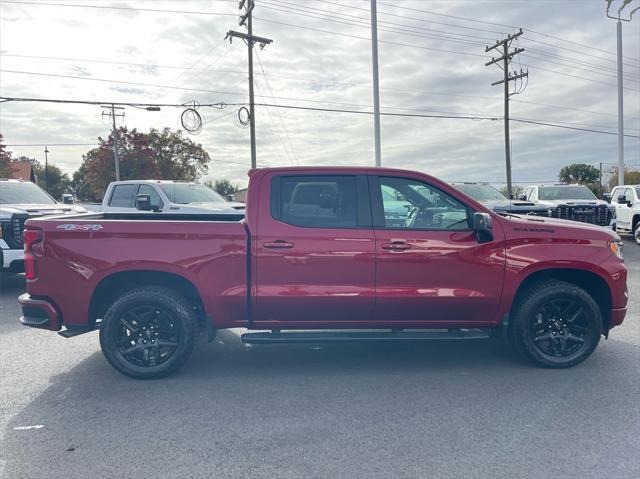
361 336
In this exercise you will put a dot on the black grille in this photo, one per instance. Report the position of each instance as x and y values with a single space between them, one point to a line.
13 233
597 215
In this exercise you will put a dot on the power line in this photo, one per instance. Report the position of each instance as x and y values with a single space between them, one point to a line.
115 7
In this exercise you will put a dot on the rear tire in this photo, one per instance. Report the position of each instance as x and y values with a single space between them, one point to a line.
555 324
148 332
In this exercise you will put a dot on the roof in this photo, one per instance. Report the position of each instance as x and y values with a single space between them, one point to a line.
22 170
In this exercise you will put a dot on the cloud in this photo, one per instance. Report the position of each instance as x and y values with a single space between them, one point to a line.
569 84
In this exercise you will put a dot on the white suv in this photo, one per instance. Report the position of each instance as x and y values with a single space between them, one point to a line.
626 199
19 201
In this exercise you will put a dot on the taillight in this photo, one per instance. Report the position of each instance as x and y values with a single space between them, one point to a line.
31 238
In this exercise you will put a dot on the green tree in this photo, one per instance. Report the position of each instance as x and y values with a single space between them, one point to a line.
59 182
580 173
517 190
631 177
223 186
155 155
5 159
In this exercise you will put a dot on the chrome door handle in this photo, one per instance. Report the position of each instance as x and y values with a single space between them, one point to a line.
396 246
278 244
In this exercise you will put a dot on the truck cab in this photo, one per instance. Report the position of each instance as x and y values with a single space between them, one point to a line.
626 200
168 197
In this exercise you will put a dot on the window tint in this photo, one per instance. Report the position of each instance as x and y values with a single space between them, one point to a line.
316 201
412 204
156 202
123 196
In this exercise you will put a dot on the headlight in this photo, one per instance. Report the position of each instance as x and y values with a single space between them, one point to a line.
616 248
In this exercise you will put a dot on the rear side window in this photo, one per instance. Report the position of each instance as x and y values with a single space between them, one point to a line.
315 201
123 196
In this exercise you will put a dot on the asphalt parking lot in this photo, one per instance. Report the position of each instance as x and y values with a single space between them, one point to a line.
435 410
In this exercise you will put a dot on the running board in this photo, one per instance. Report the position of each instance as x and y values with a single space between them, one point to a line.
361 336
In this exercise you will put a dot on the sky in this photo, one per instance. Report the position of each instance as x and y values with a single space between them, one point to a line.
432 62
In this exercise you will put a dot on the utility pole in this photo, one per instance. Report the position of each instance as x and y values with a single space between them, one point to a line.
250 40
114 133
508 77
376 87
620 19
46 169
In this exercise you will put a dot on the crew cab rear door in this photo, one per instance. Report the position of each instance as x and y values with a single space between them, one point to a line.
314 251
431 266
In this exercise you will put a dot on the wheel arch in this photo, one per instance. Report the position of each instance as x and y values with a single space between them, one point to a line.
118 283
591 282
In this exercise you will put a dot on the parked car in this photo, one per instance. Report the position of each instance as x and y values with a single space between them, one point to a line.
571 202
492 198
626 200
168 197
19 201
319 251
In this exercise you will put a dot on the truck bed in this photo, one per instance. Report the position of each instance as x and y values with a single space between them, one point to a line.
94 252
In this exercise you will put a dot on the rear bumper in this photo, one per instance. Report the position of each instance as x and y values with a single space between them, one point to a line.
38 313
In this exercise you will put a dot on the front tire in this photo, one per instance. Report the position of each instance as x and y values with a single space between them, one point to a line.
636 235
556 324
148 332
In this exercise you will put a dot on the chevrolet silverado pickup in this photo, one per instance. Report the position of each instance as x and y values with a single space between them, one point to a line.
321 255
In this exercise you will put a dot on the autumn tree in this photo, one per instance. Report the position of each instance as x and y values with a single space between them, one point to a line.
5 159
516 190
155 155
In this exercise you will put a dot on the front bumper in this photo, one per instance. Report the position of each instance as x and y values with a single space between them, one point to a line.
12 260
38 313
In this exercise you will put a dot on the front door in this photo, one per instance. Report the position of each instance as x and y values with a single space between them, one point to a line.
431 267
315 252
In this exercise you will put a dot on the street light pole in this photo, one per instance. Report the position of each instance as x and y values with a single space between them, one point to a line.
620 84
376 88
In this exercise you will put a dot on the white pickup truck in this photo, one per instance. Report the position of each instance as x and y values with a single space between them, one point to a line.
20 201
166 197
626 199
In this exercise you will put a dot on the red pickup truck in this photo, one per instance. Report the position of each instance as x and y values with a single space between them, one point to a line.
325 254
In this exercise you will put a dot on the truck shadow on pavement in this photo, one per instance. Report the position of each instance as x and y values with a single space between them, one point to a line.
232 405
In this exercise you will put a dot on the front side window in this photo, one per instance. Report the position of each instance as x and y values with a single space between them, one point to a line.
156 202
123 196
315 201
629 195
412 204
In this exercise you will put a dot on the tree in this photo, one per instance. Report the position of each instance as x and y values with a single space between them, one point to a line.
5 159
515 189
155 155
631 177
579 173
223 186
59 182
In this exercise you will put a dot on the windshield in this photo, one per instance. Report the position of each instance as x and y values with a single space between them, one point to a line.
23 193
185 193
481 192
565 193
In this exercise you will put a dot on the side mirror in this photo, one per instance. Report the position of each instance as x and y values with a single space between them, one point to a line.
606 197
622 199
522 197
67 199
143 202
482 222
229 197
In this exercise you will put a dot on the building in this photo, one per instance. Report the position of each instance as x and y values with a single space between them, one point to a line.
240 195
22 170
